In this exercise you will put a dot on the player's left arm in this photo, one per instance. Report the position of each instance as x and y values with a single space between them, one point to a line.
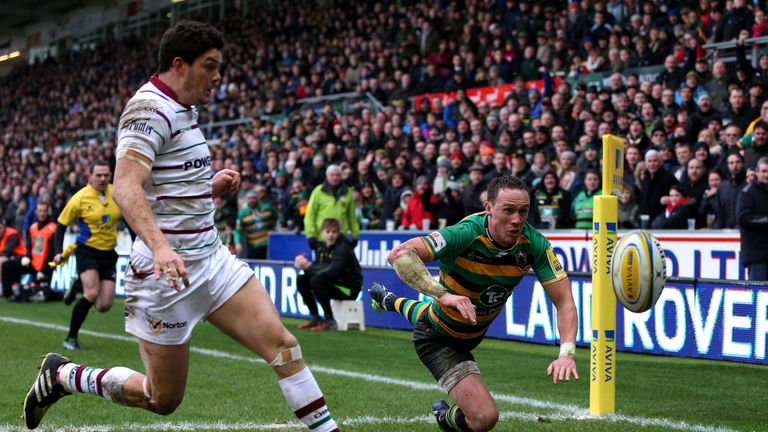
225 181
567 323
408 261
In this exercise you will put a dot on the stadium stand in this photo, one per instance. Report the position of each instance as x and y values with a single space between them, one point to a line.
518 86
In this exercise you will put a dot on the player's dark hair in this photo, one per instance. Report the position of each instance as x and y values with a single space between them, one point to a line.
331 223
188 40
504 182
95 163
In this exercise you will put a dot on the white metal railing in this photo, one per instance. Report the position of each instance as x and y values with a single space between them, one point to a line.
726 51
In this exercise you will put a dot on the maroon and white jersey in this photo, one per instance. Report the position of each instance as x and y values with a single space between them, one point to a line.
156 125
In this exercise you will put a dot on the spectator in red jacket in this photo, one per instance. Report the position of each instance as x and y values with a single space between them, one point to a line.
414 213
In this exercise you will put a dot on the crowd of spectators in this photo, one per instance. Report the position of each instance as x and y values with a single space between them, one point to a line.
696 129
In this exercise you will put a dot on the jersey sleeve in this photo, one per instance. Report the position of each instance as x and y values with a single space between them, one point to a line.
447 241
546 265
143 128
71 211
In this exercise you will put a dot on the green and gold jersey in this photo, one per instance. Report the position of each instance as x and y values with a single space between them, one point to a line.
472 266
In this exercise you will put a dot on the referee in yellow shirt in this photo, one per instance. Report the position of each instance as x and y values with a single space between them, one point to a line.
96 216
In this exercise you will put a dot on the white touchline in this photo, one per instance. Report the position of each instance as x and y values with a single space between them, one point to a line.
566 411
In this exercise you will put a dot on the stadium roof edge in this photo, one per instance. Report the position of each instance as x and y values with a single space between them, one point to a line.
17 15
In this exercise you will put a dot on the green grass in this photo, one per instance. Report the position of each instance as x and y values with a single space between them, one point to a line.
653 393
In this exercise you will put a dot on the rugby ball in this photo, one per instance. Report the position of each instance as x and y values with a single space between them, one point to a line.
638 271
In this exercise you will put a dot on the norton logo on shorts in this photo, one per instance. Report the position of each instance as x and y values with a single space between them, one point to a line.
493 296
158 325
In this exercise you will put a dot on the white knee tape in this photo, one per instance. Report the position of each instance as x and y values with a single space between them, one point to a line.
287 356
457 373
146 390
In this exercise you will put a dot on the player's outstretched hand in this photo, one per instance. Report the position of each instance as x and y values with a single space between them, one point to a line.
225 181
460 303
170 265
562 369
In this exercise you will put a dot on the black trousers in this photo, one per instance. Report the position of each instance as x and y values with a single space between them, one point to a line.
319 289
12 272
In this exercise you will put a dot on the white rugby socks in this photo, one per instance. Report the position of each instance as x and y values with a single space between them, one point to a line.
307 402
107 383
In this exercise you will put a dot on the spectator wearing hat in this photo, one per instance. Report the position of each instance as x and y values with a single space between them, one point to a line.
405 198
589 159
702 115
550 204
442 176
486 157
415 212
578 24
491 127
470 197
457 165
636 134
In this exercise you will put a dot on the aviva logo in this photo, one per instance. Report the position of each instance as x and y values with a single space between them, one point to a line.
610 228
609 335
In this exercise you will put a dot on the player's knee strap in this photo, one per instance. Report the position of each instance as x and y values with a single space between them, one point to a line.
286 356
457 373
146 390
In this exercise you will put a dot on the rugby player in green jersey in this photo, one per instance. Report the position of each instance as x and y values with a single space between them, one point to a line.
482 259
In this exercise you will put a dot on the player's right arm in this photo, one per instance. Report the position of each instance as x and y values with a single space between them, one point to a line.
408 261
136 150
130 175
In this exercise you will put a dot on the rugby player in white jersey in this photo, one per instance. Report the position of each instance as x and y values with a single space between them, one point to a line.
179 272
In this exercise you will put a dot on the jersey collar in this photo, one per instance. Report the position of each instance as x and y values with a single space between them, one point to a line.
163 87
493 242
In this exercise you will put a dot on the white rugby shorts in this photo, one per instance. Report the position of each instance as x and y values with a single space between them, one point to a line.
159 314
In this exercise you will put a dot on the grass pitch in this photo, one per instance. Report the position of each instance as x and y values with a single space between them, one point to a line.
372 381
